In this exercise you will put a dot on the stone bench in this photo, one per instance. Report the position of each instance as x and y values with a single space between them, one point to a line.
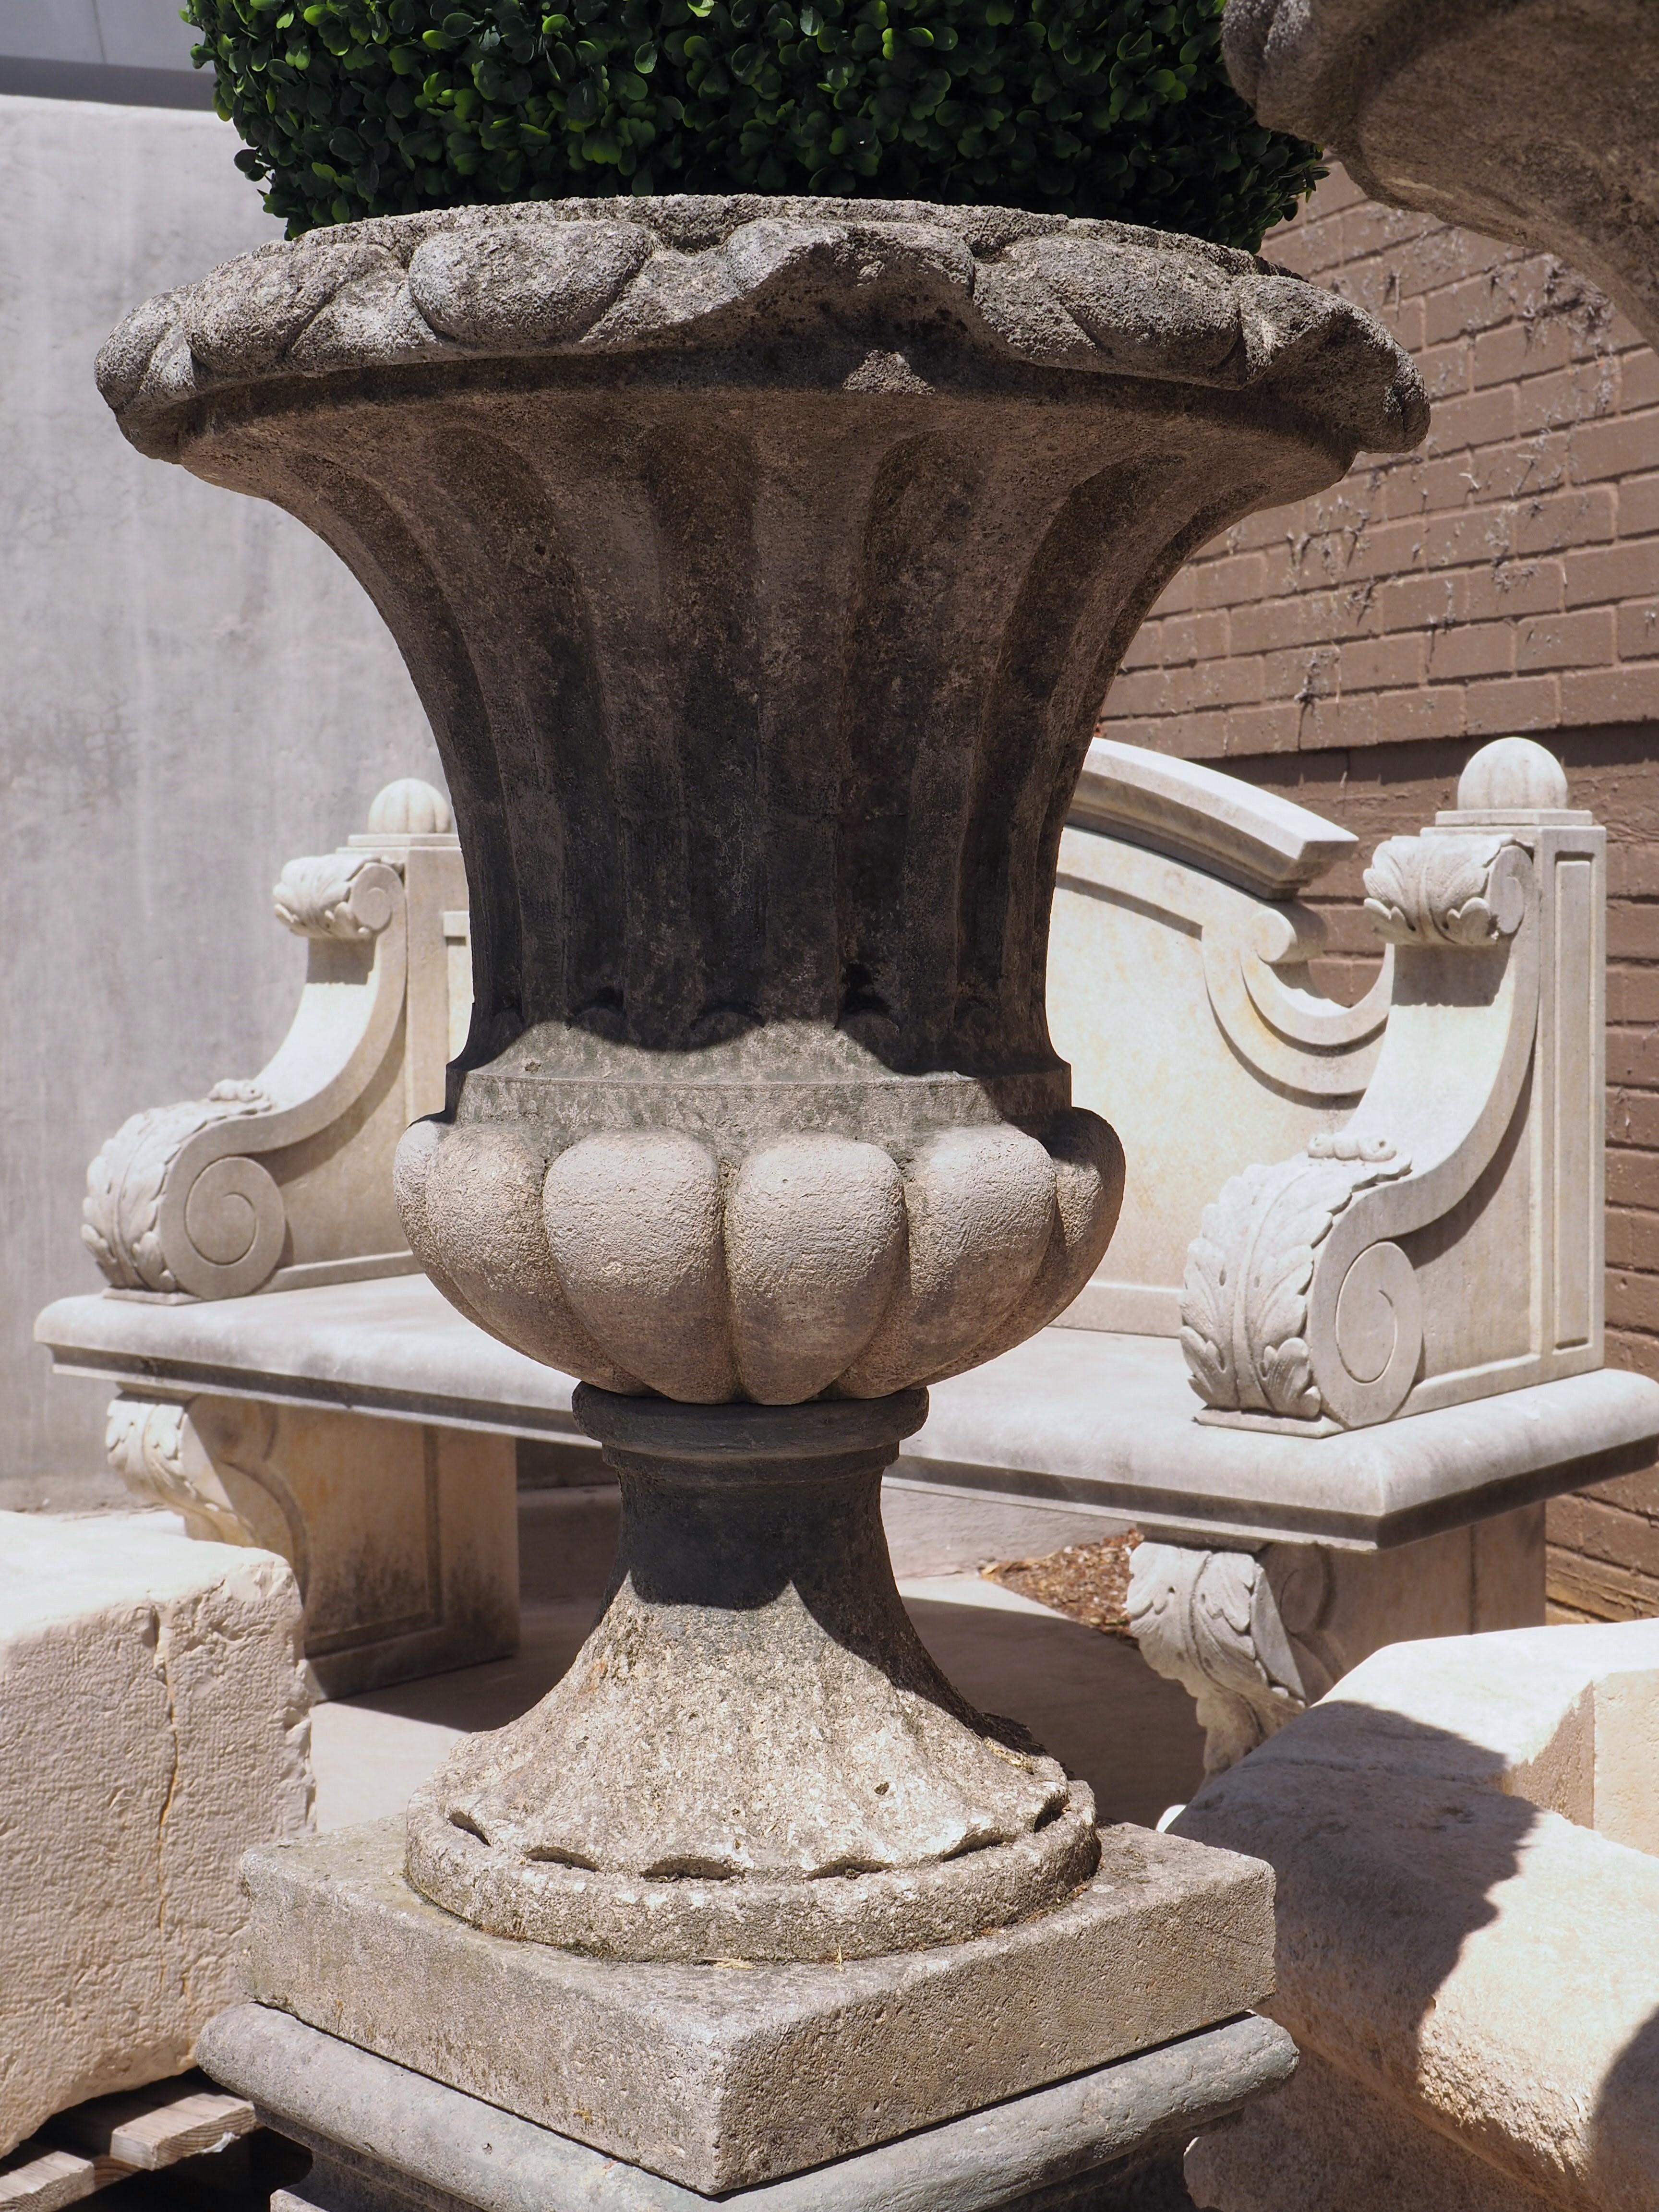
1369 1238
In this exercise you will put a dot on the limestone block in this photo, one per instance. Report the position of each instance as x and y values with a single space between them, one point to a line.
1466 1935
157 1725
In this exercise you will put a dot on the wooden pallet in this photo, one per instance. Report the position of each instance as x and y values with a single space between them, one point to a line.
110 2138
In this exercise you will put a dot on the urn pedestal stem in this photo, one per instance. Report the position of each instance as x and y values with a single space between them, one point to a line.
752 1756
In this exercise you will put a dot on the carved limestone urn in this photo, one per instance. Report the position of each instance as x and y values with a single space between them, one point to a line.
761 565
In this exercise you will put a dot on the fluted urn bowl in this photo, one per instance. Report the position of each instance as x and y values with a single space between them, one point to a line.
761 565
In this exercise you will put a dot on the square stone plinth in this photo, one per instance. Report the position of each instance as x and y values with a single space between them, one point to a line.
723 2077
386 2140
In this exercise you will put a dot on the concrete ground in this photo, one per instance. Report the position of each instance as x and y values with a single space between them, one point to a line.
1086 1696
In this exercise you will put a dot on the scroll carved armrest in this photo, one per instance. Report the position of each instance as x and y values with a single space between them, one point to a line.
287 1176
1445 1243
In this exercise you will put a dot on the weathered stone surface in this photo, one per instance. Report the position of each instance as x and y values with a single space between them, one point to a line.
759 1099
1526 120
388 2138
1467 1924
1074 1418
753 1755
761 563
723 2076
155 1726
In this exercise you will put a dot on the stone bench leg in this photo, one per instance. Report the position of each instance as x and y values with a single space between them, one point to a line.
403 1537
1256 1637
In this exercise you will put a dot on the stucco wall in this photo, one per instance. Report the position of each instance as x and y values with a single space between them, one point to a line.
195 691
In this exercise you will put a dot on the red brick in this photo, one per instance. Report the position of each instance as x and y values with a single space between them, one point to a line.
1639 630
1274 728
1604 573
1511 588
1632 868
1632 1121
1575 396
1180 594
1611 695
1583 640
1227 582
1633 1237
1633 931
1303 672
1152 691
1472 649
1479 418
1570 517
1639 1354
1639 378
1597 1530
1633 996
1378 664
1633 1058
1633 1176
1422 602
1195 637
1385 718
1300 618
1523 469
1232 682
1632 1300
1638 505
1499 708
1476 304
1515 349
1624 446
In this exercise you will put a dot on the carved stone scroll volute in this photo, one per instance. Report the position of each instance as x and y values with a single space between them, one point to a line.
286 1178
1381 1270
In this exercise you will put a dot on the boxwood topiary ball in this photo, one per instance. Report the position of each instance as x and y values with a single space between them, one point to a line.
365 107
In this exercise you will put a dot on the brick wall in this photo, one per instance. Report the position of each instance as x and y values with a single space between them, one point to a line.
1352 651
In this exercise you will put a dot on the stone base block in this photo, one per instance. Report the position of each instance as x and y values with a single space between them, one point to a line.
156 1724
729 2075
387 2140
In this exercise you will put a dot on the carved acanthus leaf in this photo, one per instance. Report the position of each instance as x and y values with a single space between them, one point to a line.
343 895
148 1445
1244 1300
1240 1632
120 1222
1442 891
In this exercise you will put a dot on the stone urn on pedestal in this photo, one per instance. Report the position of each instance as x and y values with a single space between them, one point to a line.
762 564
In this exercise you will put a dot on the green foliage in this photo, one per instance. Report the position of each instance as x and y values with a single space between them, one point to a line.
1096 107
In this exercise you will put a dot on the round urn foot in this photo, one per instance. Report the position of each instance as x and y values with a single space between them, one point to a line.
752 1756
